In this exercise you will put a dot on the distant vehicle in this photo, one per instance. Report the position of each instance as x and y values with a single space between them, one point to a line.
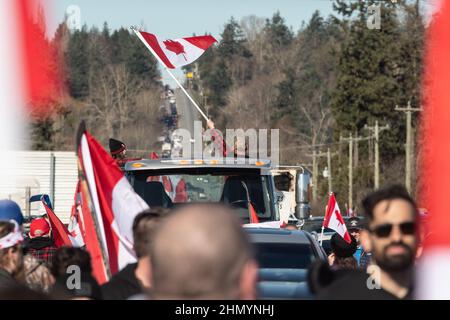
284 257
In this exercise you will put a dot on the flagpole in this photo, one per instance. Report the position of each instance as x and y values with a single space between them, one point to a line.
321 235
168 71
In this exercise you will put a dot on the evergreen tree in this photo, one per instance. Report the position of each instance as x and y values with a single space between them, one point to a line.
78 63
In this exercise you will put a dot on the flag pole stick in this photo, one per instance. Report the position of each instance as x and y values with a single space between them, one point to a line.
321 236
187 94
169 72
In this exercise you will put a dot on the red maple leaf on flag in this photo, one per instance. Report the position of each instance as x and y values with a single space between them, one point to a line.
175 47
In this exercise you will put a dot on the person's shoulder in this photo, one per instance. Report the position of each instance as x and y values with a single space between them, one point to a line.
351 285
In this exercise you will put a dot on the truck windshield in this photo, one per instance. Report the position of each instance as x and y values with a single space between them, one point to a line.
169 188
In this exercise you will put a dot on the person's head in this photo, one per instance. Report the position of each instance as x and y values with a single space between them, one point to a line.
39 227
70 256
391 228
9 210
117 148
202 252
354 227
11 258
67 261
144 227
343 252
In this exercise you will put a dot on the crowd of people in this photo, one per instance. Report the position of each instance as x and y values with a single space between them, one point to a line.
201 251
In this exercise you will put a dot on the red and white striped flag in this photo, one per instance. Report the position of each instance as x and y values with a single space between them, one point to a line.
113 203
333 219
177 52
433 270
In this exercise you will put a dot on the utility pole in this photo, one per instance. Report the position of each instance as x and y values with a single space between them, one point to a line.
376 130
315 155
409 143
350 172
351 140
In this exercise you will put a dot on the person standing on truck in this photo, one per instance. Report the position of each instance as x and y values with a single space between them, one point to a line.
118 151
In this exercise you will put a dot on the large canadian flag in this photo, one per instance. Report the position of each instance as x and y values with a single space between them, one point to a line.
177 52
333 219
111 202
433 277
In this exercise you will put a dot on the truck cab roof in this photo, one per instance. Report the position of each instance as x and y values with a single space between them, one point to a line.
162 164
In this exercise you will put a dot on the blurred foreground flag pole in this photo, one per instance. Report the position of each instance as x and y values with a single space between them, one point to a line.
433 276
176 53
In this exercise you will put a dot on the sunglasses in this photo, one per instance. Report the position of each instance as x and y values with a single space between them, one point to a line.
384 230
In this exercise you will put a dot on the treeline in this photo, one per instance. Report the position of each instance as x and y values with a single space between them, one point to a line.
328 79
111 82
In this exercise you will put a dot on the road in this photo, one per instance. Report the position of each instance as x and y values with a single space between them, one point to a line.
187 112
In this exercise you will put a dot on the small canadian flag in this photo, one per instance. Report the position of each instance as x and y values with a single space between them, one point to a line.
333 219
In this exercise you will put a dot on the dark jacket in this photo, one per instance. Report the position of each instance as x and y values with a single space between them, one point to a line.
122 285
42 248
6 280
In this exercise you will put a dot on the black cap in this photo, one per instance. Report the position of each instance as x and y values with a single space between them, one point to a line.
354 223
341 248
116 146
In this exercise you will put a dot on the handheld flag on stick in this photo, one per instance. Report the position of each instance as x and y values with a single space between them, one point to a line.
333 219
177 53
113 204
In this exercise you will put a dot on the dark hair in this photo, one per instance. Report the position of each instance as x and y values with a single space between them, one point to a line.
144 226
345 263
67 256
388 193
6 227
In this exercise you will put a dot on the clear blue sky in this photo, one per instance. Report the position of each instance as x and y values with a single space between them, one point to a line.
180 18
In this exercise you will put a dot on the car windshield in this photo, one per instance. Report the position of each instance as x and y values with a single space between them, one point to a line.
168 188
283 255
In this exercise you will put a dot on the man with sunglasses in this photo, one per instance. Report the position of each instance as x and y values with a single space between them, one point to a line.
390 234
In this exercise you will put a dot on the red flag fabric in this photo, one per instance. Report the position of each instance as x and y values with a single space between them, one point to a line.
253 215
178 52
59 230
99 262
76 225
433 280
114 204
333 219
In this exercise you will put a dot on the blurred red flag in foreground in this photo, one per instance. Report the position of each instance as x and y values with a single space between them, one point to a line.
433 274
42 68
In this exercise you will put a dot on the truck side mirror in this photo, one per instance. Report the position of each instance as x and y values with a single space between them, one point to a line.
302 208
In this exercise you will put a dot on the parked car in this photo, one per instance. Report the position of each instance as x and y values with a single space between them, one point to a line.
284 257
